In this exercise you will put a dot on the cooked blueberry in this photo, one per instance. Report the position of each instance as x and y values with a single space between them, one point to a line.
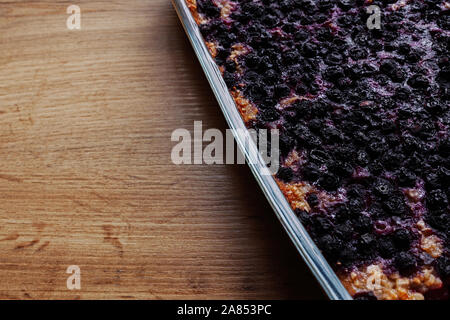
301 35
419 82
342 169
406 178
362 224
435 107
362 158
344 231
367 243
439 221
405 261
303 216
281 91
437 199
334 58
443 266
383 188
209 8
312 200
330 245
329 182
365 296
394 205
309 49
321 224
285 174
348 254
269 114
386 247
402 239
311 173
358 53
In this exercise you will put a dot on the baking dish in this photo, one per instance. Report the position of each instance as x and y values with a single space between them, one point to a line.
297 233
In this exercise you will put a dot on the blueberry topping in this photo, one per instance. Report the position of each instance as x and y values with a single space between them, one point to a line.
366 110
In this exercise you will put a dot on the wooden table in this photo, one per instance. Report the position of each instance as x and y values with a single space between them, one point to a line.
86 177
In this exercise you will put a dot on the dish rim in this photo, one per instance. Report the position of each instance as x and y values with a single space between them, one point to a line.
308 250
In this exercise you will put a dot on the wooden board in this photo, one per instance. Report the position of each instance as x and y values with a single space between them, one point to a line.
85 172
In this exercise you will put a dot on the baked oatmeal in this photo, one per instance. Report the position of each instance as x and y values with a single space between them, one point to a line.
363 115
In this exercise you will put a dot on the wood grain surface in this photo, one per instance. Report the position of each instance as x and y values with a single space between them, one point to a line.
85 173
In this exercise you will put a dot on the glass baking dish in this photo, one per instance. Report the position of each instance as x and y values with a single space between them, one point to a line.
299 236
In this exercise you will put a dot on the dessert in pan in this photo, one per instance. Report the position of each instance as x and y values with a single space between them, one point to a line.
364 123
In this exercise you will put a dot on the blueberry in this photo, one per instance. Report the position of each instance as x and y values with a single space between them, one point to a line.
325 5
333 58
285 174
229 79
312 200
342 213
375 148
315 125
392 159
358 53
437 199
444 147
405 262
362 158
367 243
402 239
330 245
252 9
321 225
394 205
342 169
444 176
286 144
301 35
362 224
303 216
419 82
355 191
329 182
346 4
335 95
344 231
208 8
383 188
406 178
281 91
435 107
319 157
439 221
443 267
388 66
376 168
334 73
404 48
386 247
291 57
365 296
402 93
269 114
309 49
311 173
252 61
270 21
432 181
348 254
